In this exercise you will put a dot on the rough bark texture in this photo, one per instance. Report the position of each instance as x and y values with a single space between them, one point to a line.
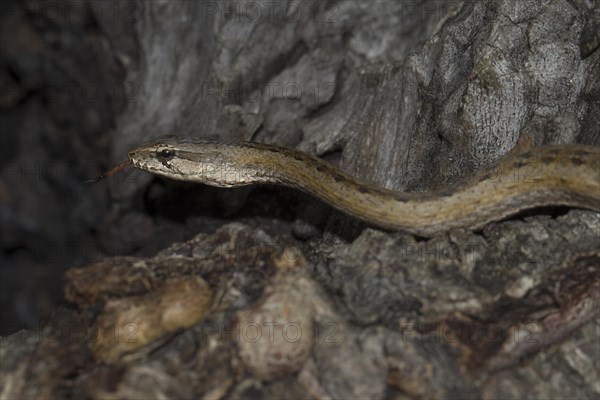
186 291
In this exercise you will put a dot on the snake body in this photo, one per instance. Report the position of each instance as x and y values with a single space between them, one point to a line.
567 175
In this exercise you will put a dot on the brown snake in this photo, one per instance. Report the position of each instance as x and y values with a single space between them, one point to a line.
566 175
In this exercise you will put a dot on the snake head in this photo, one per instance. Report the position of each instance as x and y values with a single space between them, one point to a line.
204 161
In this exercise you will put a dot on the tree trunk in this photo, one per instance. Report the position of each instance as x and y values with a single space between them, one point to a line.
183 291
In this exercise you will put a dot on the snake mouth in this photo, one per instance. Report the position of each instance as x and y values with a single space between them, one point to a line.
134 162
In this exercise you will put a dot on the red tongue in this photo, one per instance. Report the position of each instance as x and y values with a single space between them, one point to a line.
109 173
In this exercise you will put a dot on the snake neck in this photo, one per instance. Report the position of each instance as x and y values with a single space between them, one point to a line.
550 175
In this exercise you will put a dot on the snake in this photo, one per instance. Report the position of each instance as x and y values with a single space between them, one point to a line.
548 175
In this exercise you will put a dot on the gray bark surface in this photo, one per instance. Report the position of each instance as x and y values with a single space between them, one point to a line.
183 291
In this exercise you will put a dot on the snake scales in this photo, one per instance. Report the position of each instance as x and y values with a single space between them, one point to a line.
567 175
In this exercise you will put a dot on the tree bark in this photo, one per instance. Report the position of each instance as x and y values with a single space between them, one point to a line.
184 291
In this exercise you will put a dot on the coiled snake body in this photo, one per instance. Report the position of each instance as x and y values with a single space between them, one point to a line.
567 175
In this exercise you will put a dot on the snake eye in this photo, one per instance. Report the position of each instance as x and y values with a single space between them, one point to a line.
165 154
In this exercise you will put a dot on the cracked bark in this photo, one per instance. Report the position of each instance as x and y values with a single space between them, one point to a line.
411 97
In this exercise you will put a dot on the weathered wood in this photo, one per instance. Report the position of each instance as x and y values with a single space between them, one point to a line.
408 95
